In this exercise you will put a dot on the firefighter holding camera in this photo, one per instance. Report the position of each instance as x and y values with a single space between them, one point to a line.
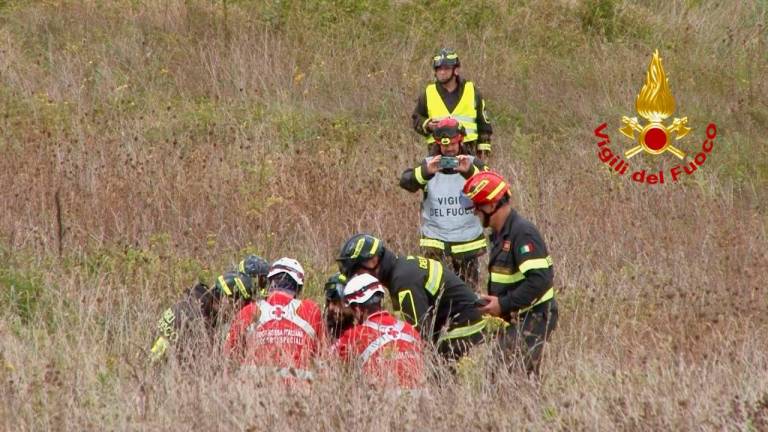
449 232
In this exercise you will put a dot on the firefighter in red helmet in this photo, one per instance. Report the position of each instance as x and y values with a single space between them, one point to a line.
520 286
449 233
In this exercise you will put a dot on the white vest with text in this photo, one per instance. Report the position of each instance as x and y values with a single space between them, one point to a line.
442 216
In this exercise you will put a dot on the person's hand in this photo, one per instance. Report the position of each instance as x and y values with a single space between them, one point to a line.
431 125
433 165
492 307
465 164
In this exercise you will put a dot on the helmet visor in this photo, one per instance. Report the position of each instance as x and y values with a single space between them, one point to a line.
364 294
283 282
334 292
450 59
278 269
446 132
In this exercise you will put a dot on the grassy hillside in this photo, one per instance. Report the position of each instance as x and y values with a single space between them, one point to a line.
148 144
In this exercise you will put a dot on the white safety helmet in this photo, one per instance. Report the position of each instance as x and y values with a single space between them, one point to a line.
289 266
361 288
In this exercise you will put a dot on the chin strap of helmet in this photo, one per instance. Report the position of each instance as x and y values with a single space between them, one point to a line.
496 206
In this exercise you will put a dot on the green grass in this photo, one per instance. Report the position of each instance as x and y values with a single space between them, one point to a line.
184 135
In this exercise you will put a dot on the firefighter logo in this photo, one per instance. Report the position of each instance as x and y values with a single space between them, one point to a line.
655 103
655 135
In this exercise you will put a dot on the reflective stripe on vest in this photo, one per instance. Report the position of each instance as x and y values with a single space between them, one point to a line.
419 175
531 264
536 263
465 111
288 312
506 278
435 278
401 298
464 331
388 333
549 295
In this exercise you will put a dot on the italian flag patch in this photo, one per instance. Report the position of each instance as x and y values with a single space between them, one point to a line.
526 248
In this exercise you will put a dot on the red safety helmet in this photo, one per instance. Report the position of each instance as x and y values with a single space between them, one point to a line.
485 187
448 131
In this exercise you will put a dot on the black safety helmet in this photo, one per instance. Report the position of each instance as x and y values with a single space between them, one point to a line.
334 287
235 285
359 248
254 266
445 57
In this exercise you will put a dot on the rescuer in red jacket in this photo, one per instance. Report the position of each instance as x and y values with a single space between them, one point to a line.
281 333
387 350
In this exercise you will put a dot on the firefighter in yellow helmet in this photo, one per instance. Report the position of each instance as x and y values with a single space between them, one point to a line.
452 96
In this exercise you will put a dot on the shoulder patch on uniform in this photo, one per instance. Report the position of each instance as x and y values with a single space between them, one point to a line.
526 248
506 245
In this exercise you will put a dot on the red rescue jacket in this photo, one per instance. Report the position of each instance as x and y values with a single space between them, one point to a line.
387 349
287 333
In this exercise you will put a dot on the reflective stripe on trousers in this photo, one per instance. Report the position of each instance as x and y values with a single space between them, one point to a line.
456 248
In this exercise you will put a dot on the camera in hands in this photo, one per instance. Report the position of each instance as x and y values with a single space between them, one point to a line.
448 162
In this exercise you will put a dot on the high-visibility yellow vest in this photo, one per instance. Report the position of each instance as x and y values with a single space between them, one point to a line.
465 111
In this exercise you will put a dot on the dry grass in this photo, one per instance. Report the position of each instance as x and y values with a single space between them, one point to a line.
180 135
